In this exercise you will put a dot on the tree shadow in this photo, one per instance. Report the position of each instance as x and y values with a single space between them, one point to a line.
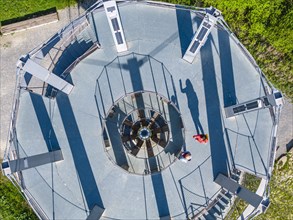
192 101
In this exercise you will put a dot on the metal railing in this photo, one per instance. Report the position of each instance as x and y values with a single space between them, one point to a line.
66 35
276 111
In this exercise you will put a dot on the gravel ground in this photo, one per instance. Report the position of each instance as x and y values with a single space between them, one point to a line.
14 45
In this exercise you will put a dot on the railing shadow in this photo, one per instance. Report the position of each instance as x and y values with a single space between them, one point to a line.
191 207
253 143
70 54
69 57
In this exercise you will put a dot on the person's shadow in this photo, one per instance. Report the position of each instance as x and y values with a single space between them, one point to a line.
192 101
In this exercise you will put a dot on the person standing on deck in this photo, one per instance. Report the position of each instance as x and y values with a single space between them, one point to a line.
201 138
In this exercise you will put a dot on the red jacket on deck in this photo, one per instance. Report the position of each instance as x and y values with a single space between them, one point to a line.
201 138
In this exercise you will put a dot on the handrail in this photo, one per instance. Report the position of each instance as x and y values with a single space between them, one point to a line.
78 59
277 110
68 33
211 202
62 31
13 113
35 205
11 150
66 42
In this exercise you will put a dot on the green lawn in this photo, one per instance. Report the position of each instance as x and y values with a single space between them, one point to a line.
12 204
281 193
17 8
250 182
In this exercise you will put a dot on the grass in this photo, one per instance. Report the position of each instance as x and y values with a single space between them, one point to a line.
236 210
265 28
250 182
281 195
12 204
19 8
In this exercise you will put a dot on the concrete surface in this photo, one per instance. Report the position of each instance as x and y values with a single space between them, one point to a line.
203 84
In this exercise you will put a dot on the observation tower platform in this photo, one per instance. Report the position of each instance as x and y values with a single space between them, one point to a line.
118 119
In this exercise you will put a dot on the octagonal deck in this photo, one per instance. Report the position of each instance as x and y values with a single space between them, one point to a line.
220 76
